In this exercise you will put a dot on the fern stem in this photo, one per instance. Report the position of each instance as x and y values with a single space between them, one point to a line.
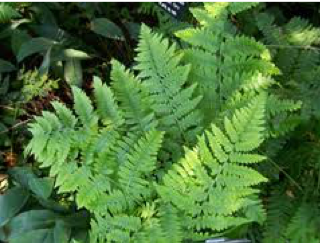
286 174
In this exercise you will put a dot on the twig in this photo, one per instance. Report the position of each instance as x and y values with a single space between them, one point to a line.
15 126
286 174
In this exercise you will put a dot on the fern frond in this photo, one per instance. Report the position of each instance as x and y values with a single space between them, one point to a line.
107 108
224 63
171 223
83 107
304 225
300 32
114 229
132 98
165 79
279 209
139 165
272 33
202 184
238 7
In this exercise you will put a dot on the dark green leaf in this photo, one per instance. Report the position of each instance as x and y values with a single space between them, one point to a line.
133 29
3 235
35 236
42 187
10 28
6 66
18 37
35 45
11 203
106 28
22 175
4 86
61 232
31 220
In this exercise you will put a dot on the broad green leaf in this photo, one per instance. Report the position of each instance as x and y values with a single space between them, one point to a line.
31 220
73 72
42 187
9 29
18 37
35 236
3 127
45 15
133 29
22 175
11 202
106 28
61 232
6 66
51 32
3 235
4 87
34 45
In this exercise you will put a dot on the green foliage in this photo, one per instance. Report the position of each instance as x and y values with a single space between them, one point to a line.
9 111
115 153
293 53
230 68
223 62
35 85
213 132
28 214
55 38
166 24
293 199
209 177
117 192
165 80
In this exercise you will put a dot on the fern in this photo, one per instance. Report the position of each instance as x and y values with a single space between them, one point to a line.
85 160
107 107
133 99
140 157
292 44
218 168
306 215
279 209
235 8
223 62
165 79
